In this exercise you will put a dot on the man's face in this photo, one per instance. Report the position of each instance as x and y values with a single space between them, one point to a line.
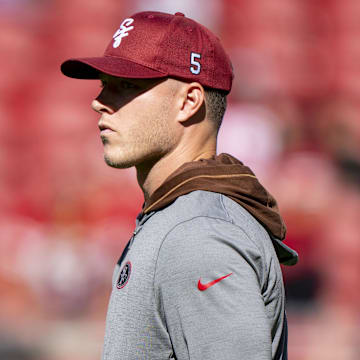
136 119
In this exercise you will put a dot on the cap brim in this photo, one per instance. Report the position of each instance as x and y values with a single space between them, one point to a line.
89 68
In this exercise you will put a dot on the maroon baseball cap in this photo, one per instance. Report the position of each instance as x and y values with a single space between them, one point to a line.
157 45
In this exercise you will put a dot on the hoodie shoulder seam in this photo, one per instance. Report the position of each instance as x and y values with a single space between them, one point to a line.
212 218
231 220
225 209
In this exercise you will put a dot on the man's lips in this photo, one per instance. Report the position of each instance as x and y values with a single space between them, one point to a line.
105 128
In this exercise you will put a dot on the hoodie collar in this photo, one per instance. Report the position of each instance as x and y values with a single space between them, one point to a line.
226 175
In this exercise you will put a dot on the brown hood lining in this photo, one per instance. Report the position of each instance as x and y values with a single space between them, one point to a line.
226 175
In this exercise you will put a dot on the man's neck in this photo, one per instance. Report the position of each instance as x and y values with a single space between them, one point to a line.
151 176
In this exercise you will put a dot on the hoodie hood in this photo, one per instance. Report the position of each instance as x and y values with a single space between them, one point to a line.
227 175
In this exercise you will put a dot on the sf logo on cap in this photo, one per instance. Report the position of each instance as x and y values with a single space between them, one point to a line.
122 31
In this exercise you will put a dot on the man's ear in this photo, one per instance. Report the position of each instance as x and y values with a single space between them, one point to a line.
193 97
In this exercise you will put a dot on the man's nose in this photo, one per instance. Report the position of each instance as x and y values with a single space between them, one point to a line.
100 107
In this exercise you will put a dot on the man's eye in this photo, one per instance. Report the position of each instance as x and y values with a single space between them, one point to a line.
121 85
128 85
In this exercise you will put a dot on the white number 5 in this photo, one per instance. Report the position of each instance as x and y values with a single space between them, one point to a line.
195 70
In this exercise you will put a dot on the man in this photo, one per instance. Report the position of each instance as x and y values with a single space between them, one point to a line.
200 277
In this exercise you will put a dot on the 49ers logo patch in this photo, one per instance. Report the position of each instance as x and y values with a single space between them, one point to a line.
124 275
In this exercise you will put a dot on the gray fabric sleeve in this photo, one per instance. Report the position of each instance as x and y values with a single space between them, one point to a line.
228 320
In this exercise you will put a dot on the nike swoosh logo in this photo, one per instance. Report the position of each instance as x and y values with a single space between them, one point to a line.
203 287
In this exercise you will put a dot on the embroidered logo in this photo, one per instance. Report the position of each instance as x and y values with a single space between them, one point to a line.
124 275
122 31
203 287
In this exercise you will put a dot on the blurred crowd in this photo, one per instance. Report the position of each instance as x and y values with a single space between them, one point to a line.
293 117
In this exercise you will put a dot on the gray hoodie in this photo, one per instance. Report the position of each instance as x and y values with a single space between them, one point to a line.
200 278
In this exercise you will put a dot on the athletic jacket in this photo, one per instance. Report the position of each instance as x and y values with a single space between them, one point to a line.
200 278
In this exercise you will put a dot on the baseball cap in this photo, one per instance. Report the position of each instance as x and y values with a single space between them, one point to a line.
157 45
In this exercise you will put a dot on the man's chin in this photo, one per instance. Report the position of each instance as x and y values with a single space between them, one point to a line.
117 164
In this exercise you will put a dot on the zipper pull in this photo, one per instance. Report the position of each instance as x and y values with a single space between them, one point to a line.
125 251
128 245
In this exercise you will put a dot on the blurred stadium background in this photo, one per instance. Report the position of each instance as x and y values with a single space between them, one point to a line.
293 117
